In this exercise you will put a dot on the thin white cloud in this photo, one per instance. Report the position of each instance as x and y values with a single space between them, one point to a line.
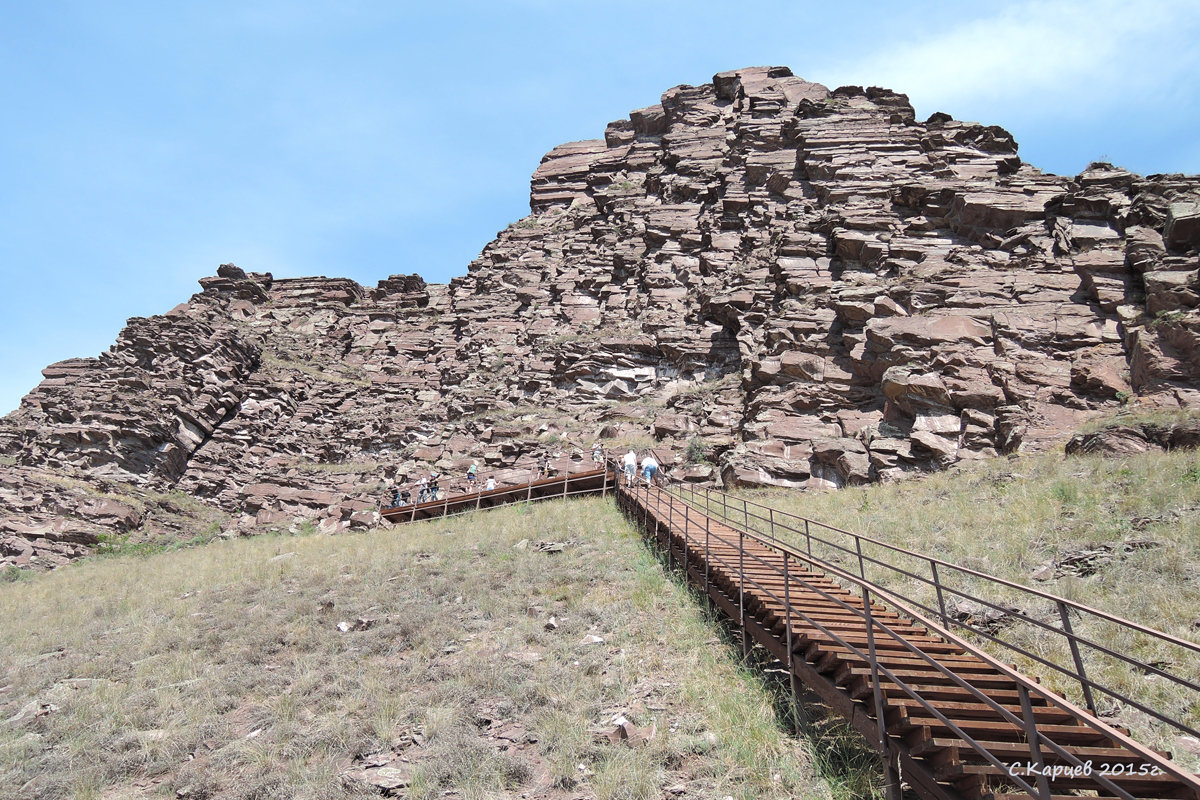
1073 57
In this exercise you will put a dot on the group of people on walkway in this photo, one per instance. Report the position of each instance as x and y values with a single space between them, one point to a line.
428 487
630 466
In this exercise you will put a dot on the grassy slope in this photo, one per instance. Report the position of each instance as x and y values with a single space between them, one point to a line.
1010 517
220 670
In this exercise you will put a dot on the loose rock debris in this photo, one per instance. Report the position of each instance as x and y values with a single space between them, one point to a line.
630 734
1091 559
543 546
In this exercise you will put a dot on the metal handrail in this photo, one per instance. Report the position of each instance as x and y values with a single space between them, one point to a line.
869 658
1193 646
398 513
1078 674
898 602
1066 632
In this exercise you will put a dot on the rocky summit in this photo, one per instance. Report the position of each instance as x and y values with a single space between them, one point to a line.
768 282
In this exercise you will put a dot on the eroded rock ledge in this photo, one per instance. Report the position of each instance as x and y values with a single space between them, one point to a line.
806 287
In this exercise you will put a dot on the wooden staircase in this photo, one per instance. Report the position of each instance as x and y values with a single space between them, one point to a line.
599 481
951 720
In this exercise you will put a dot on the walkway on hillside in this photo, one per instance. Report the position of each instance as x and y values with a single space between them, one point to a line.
572 484
947 718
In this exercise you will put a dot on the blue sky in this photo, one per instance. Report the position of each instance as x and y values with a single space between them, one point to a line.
145 142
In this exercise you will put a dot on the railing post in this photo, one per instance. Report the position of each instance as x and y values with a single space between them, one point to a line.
604 486
654 514
646 510
862 565
771 514
637 493
937 584
745 515
529 491
566 483
685 545
791 656
707 560
893 783
808 538
670 529
742 590
1035 746
1075 654
446 503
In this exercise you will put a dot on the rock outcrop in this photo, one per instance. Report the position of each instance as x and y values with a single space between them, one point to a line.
1118 439
805 287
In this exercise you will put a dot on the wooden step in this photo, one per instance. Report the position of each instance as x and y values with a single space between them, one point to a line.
902 659
930 691
899 707
957 751
919 732
983 681
927 644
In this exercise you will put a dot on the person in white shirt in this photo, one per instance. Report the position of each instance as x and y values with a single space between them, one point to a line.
649 468
630 464
491 483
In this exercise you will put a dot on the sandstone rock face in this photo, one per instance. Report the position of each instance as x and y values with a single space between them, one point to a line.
809 287
1117 440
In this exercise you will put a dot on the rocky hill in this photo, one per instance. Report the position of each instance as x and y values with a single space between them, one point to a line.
773 282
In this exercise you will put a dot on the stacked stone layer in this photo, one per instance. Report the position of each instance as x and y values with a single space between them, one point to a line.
790 285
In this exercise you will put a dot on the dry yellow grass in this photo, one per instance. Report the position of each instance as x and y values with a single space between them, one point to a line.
220 671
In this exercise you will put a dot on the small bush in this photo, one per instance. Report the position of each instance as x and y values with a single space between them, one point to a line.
696 452
12 574
1165 318
1065 492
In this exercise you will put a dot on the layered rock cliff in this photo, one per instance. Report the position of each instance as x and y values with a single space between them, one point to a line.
768 281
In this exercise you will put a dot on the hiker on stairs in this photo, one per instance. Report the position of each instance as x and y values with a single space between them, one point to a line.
649 468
